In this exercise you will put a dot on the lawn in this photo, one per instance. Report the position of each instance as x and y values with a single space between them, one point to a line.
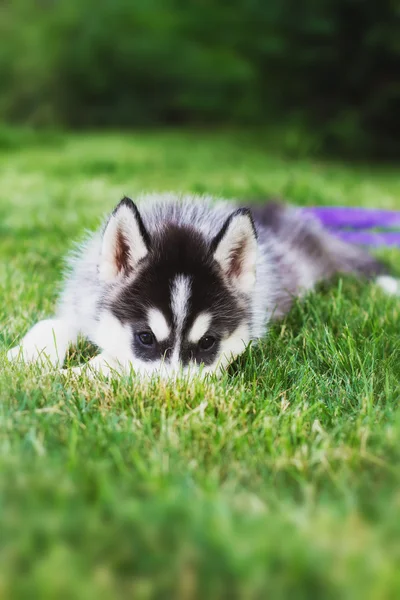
280 480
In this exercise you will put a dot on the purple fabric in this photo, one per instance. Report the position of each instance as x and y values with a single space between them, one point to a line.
348 223
370 238
356 218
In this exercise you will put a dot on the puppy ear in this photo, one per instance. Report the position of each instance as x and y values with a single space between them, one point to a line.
235 250
125 242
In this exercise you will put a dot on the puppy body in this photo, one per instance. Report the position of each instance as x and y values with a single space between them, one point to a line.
174 284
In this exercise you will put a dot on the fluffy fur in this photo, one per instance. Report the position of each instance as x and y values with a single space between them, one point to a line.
174 284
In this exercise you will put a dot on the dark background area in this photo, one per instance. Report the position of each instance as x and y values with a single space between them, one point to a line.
327 68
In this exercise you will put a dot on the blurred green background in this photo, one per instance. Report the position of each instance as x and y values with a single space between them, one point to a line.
282 479
326 68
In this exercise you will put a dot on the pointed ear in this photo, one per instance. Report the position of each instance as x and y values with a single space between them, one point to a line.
125 242
235 250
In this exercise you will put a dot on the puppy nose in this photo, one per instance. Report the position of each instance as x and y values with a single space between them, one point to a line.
167 354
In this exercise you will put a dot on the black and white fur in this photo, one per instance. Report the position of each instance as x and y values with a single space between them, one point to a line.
180 284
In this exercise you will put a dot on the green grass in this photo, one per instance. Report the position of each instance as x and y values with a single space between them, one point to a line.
280 480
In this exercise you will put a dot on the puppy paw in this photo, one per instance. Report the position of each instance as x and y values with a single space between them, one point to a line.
27 353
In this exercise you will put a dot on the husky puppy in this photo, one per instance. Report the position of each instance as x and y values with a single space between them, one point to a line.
174 284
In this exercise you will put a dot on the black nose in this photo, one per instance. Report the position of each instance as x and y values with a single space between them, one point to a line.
167 354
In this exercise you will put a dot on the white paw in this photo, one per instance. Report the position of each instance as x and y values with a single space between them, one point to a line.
99 365
29 353
73 371
389 284
46 343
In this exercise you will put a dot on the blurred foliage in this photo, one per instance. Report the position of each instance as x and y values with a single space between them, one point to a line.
329 66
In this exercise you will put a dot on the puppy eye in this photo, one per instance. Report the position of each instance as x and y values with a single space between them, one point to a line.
207 342
146 338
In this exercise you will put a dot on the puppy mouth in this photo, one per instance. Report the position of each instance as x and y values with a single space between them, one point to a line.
179 372
164 370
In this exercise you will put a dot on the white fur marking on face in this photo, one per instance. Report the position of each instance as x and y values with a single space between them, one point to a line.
123 223
158 324
236 253
388 284
180 294
199 327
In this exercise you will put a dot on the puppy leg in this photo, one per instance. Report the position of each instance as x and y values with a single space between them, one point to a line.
47 342
102 364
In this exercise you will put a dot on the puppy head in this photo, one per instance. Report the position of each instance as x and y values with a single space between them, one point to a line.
176 302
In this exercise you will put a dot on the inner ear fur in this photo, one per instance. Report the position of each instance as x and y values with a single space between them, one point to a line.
125 241
235 250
